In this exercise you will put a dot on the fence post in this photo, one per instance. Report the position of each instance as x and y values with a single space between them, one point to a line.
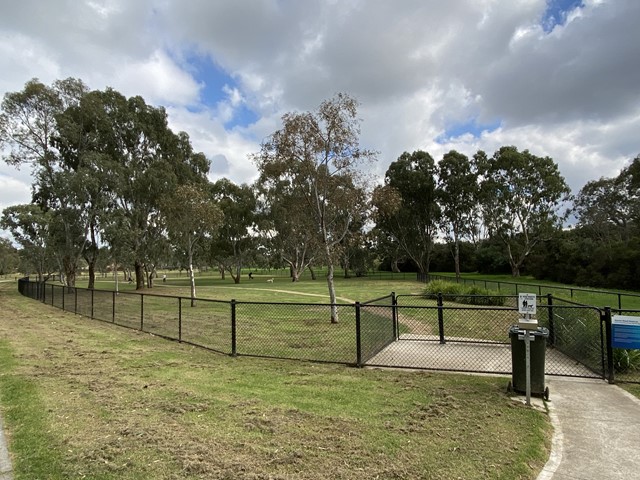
441 318
180 319
234 338
552 336
609 344
394 315
619 301
358 339
141 311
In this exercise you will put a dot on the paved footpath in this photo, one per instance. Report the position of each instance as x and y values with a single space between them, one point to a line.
5 462
597 431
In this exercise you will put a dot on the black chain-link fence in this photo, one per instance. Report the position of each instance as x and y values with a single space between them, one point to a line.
437 332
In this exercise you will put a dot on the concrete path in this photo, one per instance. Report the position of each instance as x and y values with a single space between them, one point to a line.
597 431
5 461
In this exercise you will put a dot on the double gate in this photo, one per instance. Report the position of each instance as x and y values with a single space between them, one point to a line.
443 333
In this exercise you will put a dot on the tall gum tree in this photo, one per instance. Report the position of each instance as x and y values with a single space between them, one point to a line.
458 197
191 215
28 124
318 153
406 207
521 196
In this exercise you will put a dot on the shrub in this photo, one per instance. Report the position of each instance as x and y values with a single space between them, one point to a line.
444 287
470 295
625 360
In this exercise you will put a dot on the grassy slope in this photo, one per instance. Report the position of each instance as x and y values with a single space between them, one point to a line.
87 399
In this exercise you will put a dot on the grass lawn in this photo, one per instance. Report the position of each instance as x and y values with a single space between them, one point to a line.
85 399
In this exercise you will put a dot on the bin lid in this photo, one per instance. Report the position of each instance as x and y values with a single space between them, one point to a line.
538 332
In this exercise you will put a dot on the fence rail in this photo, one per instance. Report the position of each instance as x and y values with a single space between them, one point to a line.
436 332
515 288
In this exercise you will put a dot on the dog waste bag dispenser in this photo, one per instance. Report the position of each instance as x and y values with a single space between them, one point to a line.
528 347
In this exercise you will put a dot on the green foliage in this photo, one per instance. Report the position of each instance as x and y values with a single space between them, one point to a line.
460 293
626 360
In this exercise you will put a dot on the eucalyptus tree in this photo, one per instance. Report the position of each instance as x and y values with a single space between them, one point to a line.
9 257
458 198
235 239
29 225
191 216
521 196
406 208
318 155
28 124
148 162
286 227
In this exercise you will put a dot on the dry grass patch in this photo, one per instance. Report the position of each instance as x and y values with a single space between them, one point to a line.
122 404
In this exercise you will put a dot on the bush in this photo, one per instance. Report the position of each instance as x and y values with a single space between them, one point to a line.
626 360
446 288
469 295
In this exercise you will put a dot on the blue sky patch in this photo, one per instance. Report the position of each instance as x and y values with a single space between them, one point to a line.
470 126
556 12
213 80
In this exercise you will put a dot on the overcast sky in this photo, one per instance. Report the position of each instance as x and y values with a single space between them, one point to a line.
557 77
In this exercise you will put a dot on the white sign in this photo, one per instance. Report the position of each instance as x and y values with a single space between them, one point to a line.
527 303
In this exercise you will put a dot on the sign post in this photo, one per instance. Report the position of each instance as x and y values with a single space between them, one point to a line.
527 308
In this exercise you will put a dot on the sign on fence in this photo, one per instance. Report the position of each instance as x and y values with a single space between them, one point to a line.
625 331
527 303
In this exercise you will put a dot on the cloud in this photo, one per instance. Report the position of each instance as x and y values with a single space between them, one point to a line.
421 69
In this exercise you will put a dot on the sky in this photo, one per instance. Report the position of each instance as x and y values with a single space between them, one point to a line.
560 78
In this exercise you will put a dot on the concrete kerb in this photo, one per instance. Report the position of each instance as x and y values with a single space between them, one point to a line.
6 471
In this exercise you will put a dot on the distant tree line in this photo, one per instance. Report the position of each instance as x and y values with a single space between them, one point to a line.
115 189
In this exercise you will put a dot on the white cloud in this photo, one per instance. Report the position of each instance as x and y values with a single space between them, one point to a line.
418 68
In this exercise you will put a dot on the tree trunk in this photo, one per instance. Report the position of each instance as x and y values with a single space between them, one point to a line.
69 267
394 266
456 256
332 294
313 274
139 270
192 283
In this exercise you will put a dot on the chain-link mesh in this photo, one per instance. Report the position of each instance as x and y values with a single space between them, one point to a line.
377 327
207 324
576 335
460 333
296 331
128 309
102 306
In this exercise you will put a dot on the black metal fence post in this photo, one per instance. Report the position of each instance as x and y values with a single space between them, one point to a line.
609 344
234 345
358 338
394 315
441 319
552 332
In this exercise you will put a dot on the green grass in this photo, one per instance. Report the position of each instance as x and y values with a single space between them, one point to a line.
114 403
25 415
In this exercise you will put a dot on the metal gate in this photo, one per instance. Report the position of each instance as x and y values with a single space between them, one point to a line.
442 333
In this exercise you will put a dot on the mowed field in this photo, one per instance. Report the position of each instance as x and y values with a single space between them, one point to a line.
85 399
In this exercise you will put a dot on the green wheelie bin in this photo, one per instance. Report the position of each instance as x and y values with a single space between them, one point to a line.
538 347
